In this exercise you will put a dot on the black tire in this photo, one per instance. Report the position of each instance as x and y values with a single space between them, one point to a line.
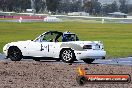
88 61
81 80
67 55
15 54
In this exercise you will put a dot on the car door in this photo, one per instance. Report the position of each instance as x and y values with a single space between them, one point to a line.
46 49
50 47
47 44
44 46
34 49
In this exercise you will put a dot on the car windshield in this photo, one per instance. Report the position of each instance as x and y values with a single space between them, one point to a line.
52 37
57 37
69 37
49 37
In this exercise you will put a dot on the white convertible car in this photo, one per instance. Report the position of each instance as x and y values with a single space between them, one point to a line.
55 45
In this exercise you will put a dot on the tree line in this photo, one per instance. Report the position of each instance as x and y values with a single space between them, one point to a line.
93 7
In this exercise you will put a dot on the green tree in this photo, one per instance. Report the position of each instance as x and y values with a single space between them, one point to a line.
114 6
109 8
106 8
39 5
130 8
14 5
93 7
123 7
52 5
88 6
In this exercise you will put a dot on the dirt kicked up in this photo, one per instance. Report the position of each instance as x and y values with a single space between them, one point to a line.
33 74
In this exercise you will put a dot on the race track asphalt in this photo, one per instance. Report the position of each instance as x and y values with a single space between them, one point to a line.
2 56
116 61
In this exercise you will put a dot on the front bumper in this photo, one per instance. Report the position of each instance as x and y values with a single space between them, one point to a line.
5 51
90 54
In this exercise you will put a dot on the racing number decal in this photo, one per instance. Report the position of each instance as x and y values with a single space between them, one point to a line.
44 48
41 48
48 48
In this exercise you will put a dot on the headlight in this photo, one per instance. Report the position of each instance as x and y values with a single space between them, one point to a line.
87 47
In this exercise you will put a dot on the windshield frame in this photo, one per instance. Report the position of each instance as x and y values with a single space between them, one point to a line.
41 37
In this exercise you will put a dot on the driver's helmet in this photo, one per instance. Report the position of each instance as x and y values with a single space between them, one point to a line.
67 37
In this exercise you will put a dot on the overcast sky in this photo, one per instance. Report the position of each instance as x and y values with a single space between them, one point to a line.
110 1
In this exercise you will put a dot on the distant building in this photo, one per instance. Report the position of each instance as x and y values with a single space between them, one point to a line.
78 14
118 14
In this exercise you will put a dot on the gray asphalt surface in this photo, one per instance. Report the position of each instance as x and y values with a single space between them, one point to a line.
2 56
117 61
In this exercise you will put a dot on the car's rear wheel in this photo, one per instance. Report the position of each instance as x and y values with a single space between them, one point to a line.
67 55
88 61
15 54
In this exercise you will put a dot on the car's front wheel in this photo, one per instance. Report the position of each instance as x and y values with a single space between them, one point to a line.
88 61
67 55
14 54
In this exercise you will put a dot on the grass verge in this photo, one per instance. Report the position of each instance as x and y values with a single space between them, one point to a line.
117 38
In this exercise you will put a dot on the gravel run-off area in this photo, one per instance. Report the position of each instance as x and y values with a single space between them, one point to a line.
31 74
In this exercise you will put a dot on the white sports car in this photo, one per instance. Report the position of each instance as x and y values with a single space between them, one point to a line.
55 45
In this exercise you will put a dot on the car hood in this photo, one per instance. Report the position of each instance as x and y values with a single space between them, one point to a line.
20 42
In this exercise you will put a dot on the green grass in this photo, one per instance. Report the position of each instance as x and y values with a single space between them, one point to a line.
117 38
